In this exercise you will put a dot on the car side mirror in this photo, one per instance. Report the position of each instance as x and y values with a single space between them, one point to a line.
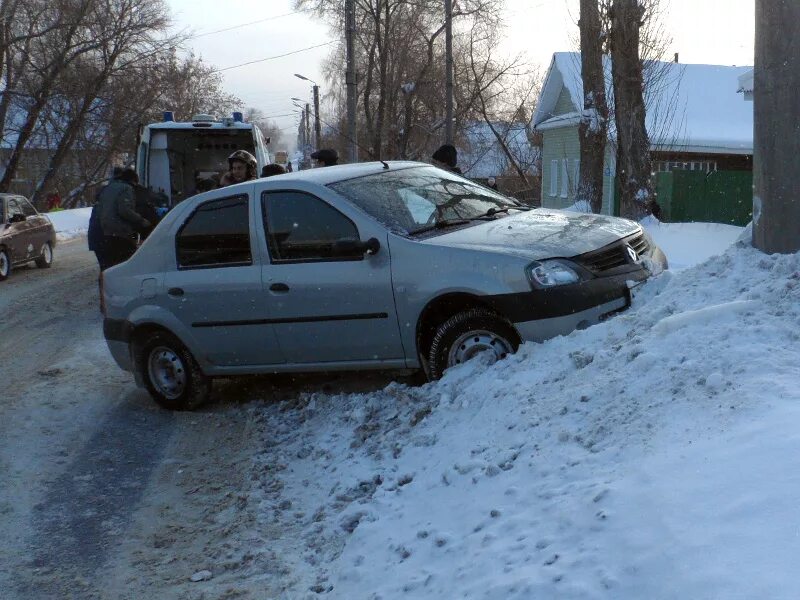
17 218
356 247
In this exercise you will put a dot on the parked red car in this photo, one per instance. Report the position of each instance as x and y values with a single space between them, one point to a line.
25 235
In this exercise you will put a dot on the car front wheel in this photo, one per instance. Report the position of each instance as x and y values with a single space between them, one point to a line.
467 334
171 374
5 264
45 259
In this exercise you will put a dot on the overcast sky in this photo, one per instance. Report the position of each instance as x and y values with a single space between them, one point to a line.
703 31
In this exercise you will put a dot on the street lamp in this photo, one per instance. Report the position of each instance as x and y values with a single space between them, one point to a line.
317 128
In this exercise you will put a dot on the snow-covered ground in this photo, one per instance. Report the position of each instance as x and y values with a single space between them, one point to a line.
70 223
651 456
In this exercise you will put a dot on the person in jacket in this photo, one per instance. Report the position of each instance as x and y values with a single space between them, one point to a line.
328 157
117 224
243 167
446 157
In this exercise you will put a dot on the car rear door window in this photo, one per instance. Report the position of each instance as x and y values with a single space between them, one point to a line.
301 227
217 234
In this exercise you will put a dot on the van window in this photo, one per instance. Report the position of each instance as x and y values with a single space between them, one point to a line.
217 234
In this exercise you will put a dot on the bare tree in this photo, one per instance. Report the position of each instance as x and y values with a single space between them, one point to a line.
593 127
270 129
633 145
129 30
401 69
492 83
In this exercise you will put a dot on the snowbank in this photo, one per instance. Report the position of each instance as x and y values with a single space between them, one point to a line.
651 456
71 223
691 243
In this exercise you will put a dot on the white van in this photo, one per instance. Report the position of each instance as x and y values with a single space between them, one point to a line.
173 157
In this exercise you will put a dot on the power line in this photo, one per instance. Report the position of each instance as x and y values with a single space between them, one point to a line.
199 35
274 57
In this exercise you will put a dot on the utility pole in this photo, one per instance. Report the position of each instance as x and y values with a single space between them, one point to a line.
303 140
448 48
308 124
317 127
350 78
776 149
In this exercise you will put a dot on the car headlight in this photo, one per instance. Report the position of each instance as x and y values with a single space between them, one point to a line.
551 273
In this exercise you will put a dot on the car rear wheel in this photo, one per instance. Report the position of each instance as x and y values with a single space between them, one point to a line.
5 264
45 259
467 334
171 374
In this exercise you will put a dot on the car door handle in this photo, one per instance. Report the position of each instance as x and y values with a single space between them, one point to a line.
175 292
279 287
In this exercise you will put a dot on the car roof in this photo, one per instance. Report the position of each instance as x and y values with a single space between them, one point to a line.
205 126
319 176
328 175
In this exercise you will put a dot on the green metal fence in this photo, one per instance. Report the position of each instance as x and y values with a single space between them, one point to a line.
714 197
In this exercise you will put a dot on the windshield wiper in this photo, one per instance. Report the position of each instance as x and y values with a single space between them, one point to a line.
441 224
494 211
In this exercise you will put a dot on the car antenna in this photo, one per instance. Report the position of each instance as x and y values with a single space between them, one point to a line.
385 164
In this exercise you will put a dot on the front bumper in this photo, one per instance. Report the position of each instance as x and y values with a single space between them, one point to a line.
539 315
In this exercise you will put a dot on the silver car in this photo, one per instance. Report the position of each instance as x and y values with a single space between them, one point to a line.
396 265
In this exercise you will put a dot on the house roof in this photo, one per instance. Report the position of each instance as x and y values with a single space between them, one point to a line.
689 107
482 155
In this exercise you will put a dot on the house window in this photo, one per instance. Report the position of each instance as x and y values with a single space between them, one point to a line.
576 175
553 177
704 166
564 178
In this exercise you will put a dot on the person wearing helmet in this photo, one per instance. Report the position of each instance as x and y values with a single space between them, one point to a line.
243 167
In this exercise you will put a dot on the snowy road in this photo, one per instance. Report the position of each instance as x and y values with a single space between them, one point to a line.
104 495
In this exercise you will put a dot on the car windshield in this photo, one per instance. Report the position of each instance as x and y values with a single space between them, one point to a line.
419 199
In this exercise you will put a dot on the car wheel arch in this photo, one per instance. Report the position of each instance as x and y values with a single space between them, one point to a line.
142 331
440 309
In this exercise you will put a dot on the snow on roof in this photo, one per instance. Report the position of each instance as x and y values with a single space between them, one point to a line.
689 107
746 81
483 157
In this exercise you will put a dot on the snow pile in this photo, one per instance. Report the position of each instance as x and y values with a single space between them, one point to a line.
71 223
651 456
690 243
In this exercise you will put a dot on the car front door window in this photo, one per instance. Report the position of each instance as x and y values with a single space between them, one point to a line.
301 227
15 213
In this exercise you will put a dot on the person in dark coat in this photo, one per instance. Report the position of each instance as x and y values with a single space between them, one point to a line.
272 169
446 157
327 156
118 221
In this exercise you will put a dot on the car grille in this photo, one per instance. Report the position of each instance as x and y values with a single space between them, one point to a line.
614 256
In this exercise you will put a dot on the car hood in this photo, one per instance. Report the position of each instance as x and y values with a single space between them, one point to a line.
540 233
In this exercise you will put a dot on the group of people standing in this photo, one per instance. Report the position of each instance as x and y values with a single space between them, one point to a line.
118 219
